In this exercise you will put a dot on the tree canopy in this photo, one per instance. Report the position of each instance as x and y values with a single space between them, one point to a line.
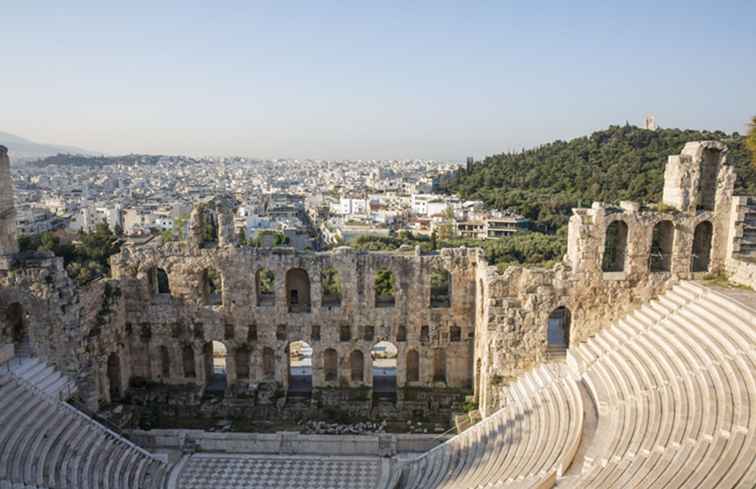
619 163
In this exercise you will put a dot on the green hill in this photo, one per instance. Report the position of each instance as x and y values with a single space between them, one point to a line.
619 163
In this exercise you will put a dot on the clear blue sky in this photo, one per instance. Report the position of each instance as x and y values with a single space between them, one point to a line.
344 80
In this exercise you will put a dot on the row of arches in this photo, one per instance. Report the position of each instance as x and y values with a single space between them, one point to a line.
297 282
661 249
383 355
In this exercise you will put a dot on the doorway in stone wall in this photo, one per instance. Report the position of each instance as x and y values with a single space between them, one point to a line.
300 369
383 356
215 365
14 317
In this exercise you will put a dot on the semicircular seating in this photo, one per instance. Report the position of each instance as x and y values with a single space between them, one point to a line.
47 443
525 444
674 387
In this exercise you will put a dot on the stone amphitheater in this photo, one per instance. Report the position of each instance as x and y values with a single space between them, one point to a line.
630 364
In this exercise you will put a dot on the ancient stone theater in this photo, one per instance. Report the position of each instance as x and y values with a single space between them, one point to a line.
206 363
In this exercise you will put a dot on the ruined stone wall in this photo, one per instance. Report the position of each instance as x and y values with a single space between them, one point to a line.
511 334
48 301
183 317
8 245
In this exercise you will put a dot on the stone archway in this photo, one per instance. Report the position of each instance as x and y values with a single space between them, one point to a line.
558 330
300 359
215 367
615 247
384 355
702 247
298 290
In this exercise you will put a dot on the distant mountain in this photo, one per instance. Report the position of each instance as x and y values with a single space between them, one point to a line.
23 150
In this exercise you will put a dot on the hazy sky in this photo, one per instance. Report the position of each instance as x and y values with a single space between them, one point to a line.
344 80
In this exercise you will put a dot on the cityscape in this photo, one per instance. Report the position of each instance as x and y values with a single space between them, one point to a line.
394 245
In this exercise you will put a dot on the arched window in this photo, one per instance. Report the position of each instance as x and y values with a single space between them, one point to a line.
413 366
212 287
385 288
114 376
440 289
661 247
165 361
269 363
357 366
241 360
455 333
330 285
215 367
439 365
300 368
401 333
331 365
298 290
159 283
384 356
265 287
615 247
702 247
187 358
558 329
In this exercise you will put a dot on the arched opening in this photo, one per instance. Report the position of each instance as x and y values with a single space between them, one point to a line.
440 289
14 317
215 367
265 287
114 376
330 284
331 365
662 239
707 183
165 361
384 355
209 230
702 247
242 358
300 369
187 358
269 363
439 365
615 247
298 290
413 366
558 330
401 334
385 288
212 287
357 366
159 283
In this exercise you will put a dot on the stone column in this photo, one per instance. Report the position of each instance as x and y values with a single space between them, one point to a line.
8 243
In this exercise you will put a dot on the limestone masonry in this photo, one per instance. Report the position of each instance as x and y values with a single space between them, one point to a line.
155 328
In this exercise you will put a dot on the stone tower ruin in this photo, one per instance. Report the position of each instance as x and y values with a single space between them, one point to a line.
8 244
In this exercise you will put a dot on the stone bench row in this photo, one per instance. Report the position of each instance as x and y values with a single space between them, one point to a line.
47 443
675 387
530 440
